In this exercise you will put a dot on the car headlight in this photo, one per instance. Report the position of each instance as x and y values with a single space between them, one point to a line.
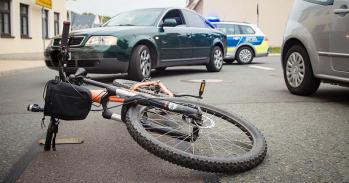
101 41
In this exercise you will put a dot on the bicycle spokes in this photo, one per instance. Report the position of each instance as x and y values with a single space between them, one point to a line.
211 137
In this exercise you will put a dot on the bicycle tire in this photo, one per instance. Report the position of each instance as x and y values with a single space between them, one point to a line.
218 165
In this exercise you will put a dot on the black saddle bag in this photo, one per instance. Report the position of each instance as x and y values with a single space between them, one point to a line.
66 101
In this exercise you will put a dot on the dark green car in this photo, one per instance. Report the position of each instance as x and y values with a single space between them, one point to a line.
135 42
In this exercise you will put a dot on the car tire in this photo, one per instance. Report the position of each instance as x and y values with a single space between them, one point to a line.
140 63
298 72
216 60
244 55
160 69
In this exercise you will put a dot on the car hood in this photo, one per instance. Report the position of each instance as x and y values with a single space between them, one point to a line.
112 30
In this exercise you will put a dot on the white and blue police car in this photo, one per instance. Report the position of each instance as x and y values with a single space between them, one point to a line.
245 40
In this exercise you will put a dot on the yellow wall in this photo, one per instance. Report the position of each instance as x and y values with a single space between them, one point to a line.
17 45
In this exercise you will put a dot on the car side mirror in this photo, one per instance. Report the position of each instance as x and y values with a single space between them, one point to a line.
169 22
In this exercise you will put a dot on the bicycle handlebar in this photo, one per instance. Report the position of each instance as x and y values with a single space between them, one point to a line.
65 35
35 108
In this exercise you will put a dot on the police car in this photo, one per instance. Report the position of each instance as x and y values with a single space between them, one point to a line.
245 41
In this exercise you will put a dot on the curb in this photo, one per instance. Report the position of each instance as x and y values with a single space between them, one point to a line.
23 162
274 54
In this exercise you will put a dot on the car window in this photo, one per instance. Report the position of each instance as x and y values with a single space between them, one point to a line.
229 29
174 14
321 2
145 17
246 29
194 20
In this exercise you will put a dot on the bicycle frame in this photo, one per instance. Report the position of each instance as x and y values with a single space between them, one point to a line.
110 94
96 95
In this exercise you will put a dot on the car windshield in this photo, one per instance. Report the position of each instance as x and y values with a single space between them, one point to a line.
144 17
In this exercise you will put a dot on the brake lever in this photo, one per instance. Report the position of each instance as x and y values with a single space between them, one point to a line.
188 95
201 91
77 80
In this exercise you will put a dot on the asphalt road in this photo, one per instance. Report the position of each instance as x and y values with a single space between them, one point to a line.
307 136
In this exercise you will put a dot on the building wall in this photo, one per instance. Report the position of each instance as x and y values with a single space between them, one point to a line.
200 7
21 48
273 14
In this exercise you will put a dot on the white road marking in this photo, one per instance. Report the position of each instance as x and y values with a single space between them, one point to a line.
260 67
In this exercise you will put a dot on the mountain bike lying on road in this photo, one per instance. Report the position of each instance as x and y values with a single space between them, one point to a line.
187 133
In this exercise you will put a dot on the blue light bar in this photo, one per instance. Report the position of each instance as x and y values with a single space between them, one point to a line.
213 19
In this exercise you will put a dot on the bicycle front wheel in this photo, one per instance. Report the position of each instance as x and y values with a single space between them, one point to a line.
221 142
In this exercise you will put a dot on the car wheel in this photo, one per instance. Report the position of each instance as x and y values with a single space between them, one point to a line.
244 55
140 63
298 73
160 68
216 60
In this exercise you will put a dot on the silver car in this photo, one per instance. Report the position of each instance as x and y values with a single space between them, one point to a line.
316 45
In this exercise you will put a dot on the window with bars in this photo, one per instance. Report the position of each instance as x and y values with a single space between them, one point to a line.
45 24
5 18
56 23
24 20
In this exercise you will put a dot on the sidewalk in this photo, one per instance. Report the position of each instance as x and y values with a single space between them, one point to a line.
12 66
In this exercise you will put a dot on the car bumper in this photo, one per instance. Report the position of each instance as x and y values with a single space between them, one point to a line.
91 60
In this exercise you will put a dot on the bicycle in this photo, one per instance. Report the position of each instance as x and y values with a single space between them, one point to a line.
187 133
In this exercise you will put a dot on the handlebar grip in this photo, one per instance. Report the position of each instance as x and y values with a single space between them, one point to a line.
65 34
35 108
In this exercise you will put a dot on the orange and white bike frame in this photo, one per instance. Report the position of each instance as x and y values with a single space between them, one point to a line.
96 95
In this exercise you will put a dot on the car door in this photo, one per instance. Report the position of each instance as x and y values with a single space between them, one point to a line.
233 37
339 36
173 41
201 38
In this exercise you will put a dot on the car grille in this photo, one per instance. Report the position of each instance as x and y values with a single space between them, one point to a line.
74 42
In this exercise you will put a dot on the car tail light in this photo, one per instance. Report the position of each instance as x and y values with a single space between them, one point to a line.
266 39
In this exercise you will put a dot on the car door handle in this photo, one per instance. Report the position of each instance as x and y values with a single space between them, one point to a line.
341 11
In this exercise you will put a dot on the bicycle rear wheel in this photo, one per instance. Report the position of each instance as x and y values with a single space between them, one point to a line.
222 142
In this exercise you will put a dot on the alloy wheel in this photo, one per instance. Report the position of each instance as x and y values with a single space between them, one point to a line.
245 55
218 58
295 69
145 63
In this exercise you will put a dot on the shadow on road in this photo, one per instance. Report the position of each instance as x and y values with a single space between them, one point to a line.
236 64
175 71
340 95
